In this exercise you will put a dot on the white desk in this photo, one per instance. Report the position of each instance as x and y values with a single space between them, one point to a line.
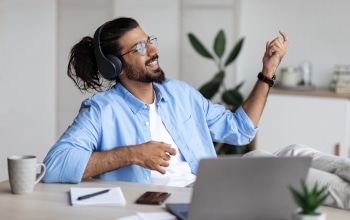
52 201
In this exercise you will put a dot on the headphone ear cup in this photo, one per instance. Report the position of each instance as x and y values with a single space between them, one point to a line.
116 62
108 65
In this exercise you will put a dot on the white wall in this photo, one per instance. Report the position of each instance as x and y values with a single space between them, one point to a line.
27 78
76 19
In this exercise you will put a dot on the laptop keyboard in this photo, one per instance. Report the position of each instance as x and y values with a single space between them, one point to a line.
184 214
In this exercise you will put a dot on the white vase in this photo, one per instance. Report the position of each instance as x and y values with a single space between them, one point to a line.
316 216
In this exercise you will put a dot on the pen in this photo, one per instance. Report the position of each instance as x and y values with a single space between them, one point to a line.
93 194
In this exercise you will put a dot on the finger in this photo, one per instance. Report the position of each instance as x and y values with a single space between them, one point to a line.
267 45
160 170
285 38
275 50
271 50
168 149
278 46
272 46
164 164
278 42
166 156
171 151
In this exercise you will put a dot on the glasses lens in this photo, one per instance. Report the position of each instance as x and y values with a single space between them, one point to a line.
153 41
141 47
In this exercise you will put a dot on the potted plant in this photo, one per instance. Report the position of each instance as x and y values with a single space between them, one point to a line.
308 201
230 97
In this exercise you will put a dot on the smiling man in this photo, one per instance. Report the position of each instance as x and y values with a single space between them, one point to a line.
146 128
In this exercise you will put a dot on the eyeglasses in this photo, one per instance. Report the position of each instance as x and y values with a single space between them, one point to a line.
142 46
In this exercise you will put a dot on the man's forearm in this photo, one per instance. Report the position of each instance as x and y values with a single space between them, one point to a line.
102 162
152 155
275 50
255 103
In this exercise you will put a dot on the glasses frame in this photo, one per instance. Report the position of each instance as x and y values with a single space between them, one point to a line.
144 44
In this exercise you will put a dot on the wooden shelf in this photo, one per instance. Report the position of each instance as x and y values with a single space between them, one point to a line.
318 92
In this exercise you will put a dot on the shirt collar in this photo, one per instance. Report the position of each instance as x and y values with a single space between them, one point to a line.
134 103
161 95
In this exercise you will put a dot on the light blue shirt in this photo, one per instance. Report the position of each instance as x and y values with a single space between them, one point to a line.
115 118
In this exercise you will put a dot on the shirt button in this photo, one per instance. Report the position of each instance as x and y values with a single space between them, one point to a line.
147 177
147 123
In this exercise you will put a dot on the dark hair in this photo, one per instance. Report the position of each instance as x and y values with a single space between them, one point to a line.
82 66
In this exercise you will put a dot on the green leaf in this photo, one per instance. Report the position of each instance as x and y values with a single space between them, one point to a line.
298 197
233 98
234 53
236 88
199 47
210 88
219 43
323 198
309 200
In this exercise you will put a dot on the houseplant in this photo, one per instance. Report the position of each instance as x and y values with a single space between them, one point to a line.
230 97
309 200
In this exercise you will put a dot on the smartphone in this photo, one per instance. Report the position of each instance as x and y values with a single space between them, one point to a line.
153 198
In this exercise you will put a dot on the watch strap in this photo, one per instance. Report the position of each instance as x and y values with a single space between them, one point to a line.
269 81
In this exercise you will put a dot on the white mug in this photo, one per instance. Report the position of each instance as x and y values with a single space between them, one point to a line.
22 171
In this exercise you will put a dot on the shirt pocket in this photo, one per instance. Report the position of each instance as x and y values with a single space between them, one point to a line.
187 125
197 138
188 129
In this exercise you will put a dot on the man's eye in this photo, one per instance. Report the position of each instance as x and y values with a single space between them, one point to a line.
140 47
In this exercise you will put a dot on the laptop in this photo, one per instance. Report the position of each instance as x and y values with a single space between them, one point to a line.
244 188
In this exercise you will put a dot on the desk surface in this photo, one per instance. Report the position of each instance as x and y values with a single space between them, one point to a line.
52 201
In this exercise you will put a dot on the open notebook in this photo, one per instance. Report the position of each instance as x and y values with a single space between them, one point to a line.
244 188
114 197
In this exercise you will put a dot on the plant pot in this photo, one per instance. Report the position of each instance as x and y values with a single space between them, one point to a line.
316 216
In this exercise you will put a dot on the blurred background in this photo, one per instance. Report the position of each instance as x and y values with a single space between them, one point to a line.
38 101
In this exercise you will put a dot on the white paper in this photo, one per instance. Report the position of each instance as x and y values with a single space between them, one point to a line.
156 215
130 217
114 197
149 216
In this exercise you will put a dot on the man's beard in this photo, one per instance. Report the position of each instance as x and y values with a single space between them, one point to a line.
142 75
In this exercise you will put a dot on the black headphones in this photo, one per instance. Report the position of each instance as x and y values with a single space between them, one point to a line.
108 65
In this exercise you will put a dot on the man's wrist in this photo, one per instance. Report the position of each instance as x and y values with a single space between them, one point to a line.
268 80
268 72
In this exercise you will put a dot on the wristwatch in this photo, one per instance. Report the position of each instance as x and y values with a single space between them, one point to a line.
269 81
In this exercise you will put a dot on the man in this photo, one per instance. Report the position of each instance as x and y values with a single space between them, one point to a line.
146 128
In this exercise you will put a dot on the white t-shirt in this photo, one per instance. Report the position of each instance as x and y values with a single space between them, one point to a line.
178 173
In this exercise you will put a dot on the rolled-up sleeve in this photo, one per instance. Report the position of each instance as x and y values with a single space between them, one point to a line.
245 125
64 164
67 159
